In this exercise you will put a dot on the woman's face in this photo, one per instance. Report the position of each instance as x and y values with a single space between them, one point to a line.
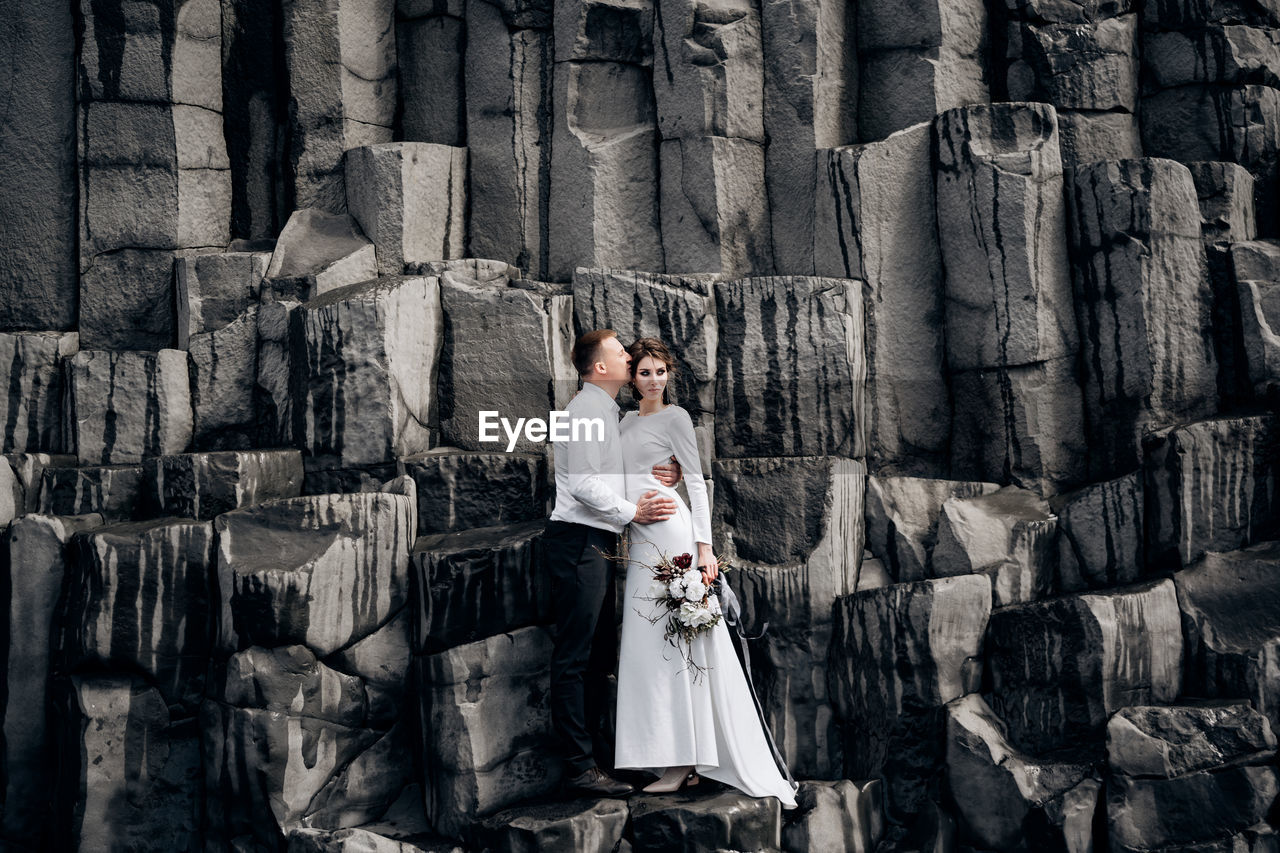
651 378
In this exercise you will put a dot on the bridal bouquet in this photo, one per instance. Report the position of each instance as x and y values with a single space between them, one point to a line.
690 605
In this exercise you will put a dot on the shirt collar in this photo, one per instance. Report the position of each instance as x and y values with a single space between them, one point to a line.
596 389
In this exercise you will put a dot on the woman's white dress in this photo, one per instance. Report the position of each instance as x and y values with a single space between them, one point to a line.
666 718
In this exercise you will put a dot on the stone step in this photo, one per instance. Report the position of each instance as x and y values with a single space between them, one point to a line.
478 583
693 822
205 485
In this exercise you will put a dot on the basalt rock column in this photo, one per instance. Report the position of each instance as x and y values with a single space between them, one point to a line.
154 174
365 363
341 60
875 222
508 73
1083 59
918 61
38 266
810 102
34 561
1011 331
431 39
604 165
709 91
1143 304
1211 90
34 416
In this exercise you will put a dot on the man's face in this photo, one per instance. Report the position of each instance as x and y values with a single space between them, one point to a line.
613 355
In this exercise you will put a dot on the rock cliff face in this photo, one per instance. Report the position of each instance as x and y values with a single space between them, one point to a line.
976 309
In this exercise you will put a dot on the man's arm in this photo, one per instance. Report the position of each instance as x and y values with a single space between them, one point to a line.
587 484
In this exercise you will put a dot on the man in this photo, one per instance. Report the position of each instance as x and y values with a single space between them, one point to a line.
591 510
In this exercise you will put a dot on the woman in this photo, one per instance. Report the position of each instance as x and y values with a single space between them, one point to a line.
669 721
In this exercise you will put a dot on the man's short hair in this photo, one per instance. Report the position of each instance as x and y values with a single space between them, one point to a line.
586 349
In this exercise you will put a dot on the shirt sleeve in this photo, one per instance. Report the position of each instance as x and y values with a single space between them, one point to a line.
586 481
684 444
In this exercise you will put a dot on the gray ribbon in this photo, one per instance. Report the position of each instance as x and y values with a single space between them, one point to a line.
732 610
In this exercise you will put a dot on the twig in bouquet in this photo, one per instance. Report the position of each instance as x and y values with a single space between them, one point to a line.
685 598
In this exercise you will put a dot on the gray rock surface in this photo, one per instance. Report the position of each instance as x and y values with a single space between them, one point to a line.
126 405
34 412
223 365
1143 303
409 198
819 333
205 485
123 581
898 655
1167 742
110 490
1000 791
1229 604
727 821
318 252
591 827
287 570
105 797
1227 210
365 360
840 815
212 290
458 489
486 722
902 520
341 58
34 566
1059 668
1100 534
875 221
475 584
1210 486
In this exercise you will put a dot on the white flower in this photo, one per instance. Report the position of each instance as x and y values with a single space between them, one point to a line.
676 588
694 615
693 576
657 590
695 591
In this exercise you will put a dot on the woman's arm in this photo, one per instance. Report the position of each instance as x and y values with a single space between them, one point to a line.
684 446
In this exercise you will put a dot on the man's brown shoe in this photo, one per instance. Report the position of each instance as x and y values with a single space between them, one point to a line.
596 782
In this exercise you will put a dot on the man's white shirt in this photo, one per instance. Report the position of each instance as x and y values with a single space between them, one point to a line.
590 483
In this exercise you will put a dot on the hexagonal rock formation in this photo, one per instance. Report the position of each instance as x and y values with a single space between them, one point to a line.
410 200
323 571
1100 534
127 405
365 360
477 583
875 221
213 290
997 788
1008 535
458 489
730 821
1143 304
485 721
125 582
503 352
33 415
204 485
112 490
340 58
318 252
34 564
815 338
1060 668
898 655
106 796
1210 486
902 520
1220 759
1230 603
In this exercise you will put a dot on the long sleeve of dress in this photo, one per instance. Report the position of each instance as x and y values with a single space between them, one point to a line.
684 446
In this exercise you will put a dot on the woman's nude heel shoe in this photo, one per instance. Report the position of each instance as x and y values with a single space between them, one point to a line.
688 780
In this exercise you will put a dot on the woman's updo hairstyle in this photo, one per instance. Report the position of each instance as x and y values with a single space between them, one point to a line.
657 350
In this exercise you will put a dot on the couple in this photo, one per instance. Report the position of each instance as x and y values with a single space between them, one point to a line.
667 721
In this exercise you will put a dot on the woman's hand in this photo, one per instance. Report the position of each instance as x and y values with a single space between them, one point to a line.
708 564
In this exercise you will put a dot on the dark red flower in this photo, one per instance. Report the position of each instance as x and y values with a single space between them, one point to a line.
684 561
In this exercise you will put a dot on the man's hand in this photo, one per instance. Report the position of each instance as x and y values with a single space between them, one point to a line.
668 473
651 508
